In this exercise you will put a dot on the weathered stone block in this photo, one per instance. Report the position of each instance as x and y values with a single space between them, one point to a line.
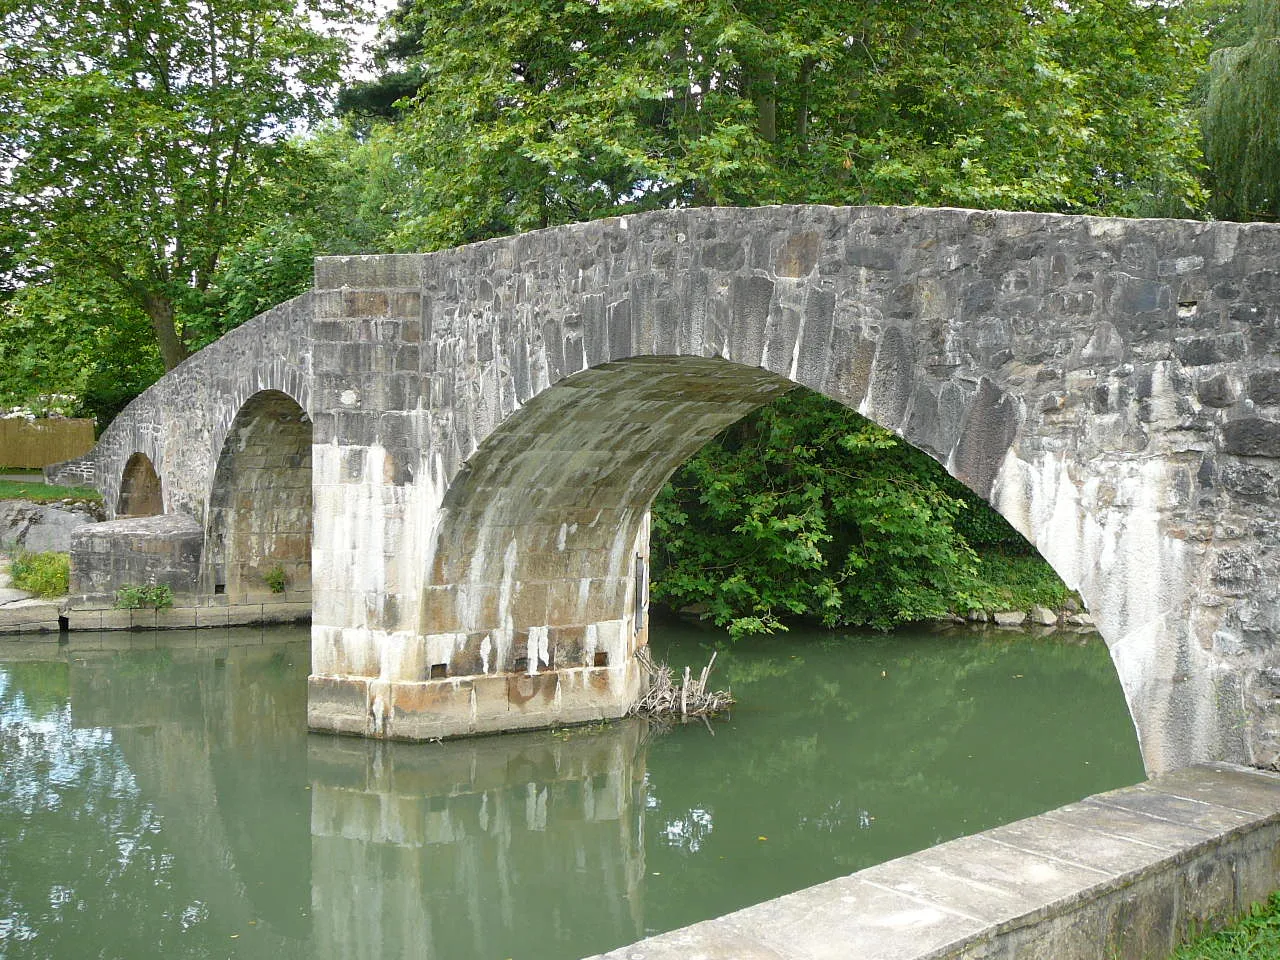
1252 437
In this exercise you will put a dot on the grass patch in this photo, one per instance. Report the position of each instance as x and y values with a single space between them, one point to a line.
1256 937
44 574
45 493
22 471
1015 581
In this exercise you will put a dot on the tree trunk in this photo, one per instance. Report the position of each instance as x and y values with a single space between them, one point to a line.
159 308
765 96
802 108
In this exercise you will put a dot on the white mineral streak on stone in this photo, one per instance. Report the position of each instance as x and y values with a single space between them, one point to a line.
1164 394
539 651
510 557
1104 537
403 655
792 371
378 712
486 647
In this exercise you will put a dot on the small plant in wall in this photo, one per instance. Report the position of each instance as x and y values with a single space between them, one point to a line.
276 579
134 597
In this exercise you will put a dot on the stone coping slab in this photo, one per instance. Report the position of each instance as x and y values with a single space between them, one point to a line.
1129 873
27 616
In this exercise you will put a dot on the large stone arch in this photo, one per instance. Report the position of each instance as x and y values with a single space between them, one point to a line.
258 520
1108 385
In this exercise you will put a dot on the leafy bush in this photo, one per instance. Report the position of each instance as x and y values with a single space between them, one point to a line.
1020 580
806 509
135 597
44 574
275 579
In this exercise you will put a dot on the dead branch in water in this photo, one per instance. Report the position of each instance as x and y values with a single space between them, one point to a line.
689 698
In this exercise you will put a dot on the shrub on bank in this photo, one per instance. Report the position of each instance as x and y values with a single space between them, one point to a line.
44 574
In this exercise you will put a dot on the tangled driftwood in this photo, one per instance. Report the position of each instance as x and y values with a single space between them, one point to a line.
690 698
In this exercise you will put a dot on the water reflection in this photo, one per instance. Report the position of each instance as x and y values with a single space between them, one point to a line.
159 796
480 848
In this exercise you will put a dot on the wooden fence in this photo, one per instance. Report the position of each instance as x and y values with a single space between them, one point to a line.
37 443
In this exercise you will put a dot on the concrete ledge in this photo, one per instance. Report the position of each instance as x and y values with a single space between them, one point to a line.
25 617
1126 874
96 618
469 705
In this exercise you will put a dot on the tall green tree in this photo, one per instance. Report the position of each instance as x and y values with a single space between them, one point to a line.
534 112
134 135
1242 119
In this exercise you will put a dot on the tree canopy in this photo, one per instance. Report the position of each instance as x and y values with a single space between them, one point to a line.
135 135
1242 119
536 112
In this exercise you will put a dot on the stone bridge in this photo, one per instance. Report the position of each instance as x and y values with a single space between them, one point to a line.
451 456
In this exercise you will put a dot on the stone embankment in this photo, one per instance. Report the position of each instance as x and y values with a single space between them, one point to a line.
1069 617
36 528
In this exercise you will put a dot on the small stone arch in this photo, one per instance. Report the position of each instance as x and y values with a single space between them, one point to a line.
259 519
141 491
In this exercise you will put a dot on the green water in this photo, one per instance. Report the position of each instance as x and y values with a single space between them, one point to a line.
160 797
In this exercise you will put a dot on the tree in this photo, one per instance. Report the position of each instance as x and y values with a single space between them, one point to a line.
806 509
134 134
537 112
341 197
1242 120
77 339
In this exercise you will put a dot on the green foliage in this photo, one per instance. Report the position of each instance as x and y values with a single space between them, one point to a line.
1019 580
137 132
75 336
1255 937
44 574
135 597
340 197
1242 120
39 492
539 112
806 509
275 579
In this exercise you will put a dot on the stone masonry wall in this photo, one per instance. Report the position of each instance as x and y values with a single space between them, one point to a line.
1108 384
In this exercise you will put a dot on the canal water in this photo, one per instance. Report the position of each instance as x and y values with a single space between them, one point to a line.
161 798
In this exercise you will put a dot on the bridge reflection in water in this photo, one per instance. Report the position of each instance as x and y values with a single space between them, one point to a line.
476 848
298 845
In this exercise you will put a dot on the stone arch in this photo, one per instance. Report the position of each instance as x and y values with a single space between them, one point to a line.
259 517
141 491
